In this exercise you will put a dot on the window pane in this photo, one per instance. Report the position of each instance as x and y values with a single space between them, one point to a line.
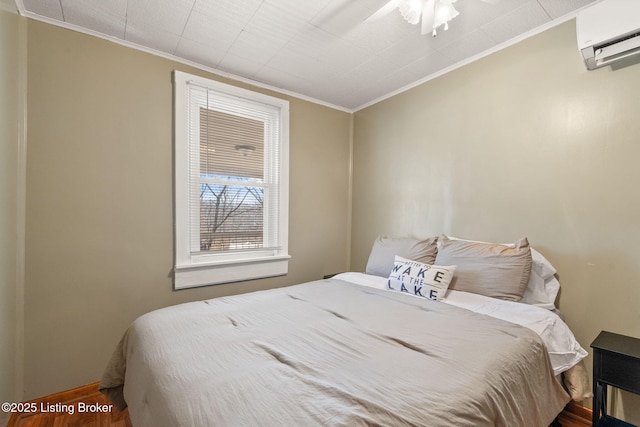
231 217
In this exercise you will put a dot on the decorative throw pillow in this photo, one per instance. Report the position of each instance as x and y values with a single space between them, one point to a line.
385 249
423 280
490 269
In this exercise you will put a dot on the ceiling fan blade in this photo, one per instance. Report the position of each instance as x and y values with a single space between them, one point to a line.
383 11
428 16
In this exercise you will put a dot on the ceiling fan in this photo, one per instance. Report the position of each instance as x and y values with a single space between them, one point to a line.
432 13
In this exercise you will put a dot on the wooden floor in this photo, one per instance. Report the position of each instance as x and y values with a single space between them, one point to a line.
82 397
72 408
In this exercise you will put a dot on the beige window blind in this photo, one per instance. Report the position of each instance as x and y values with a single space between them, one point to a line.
235 171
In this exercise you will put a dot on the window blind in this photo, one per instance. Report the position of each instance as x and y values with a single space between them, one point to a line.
234 173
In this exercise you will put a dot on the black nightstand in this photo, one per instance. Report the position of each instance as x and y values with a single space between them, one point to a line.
616 362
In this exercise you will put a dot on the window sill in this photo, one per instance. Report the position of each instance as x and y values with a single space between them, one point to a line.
194 275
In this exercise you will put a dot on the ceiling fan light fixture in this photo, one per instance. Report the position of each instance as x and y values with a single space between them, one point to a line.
411 10
444 12
436 12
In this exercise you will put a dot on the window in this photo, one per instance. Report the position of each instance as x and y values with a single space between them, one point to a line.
231 183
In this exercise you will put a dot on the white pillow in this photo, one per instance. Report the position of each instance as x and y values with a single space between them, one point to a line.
542 267
423 280
543 287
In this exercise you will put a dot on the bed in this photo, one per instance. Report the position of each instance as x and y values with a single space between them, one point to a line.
345 351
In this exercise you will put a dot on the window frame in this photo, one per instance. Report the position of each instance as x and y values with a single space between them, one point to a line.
192 269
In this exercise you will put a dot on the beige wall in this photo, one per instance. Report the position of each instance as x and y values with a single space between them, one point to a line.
10 43
99 201
523 142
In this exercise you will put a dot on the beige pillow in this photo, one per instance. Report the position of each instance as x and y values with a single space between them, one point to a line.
490 269
576 380
385 249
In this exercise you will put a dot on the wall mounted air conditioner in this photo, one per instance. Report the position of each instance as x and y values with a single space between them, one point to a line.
608 31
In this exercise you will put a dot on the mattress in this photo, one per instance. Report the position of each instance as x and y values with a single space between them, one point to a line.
331 353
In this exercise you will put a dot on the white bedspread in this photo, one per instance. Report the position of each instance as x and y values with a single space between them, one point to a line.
331 353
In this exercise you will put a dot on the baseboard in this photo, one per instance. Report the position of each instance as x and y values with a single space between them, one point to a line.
579 410
577 413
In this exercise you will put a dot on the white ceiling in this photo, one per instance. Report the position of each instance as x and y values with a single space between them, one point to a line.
318 49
